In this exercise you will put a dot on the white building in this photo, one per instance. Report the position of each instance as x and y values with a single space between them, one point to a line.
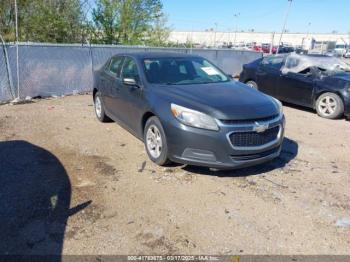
213 38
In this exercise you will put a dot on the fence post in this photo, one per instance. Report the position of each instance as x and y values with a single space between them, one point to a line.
8 68
92 64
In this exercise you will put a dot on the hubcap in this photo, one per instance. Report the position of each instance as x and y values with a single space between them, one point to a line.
98 106
328 105
154 141
251 85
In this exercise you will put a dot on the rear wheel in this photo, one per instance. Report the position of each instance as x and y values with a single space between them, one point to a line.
329 105
155 141
252 84
99 108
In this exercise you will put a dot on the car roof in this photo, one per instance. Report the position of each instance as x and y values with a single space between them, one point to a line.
156 54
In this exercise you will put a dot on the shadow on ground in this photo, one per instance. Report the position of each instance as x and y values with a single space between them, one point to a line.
288 153
35 198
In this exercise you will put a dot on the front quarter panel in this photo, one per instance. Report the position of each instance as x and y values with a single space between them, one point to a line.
249 71
328 84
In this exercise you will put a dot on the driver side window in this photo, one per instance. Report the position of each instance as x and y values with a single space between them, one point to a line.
130 69
273 62
115 66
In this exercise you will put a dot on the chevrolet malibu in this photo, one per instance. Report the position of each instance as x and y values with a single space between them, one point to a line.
186 110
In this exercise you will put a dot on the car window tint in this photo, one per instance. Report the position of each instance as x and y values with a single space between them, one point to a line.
130 69
116 65
273 62
181 71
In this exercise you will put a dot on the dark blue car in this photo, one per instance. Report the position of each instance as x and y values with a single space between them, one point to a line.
187 110
314 81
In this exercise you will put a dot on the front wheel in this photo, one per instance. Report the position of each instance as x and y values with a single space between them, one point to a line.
155 141
99 108
252 84
330 105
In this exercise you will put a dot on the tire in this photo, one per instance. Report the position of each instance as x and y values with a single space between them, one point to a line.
329 105
99 109
155 142
252 84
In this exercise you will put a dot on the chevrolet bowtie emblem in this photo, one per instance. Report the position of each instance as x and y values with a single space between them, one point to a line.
259 128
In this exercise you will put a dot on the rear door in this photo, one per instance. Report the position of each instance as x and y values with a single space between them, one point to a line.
269 73
112 83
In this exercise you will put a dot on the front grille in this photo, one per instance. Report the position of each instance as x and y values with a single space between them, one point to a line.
252 138
248 121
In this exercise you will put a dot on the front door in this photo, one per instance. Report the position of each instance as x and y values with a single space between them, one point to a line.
296 88
112 83
268 74
132 95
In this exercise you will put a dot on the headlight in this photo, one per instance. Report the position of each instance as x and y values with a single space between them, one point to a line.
280 106
193 118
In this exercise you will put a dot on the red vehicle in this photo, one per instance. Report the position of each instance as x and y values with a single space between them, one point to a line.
266 49
257 48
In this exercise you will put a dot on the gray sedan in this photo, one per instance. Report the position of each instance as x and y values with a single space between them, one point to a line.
186 110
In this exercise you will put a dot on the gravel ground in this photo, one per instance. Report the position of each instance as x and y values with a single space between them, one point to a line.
72 185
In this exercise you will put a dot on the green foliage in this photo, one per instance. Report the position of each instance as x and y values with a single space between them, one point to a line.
42 20
127 22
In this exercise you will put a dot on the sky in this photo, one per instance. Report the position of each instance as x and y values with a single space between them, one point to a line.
317 16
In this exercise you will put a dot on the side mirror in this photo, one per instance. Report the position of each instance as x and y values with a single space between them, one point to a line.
129 82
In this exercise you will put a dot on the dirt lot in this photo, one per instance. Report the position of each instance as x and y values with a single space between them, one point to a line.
73 185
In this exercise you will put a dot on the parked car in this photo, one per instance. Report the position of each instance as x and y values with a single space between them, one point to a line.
285 49
330 53
266 49
315 81
347 54
187 110
257 48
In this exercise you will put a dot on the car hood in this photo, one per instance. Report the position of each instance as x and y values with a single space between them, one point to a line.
226 101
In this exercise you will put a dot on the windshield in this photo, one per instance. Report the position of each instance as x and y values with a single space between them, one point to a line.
298 63
182 71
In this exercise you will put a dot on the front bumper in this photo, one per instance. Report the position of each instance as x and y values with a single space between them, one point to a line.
214 149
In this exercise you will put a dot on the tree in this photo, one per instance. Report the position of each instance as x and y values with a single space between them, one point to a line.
129 22
159 33
137 22
7 18
58 21
106 21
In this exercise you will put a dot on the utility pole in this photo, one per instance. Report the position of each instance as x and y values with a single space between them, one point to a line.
17 63
191 43
308 30
272 40
236 28
215 30
284 24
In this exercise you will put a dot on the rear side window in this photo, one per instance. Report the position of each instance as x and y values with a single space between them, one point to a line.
116 65
273 62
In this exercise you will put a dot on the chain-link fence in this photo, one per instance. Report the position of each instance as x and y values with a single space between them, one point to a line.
6 88
48 69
